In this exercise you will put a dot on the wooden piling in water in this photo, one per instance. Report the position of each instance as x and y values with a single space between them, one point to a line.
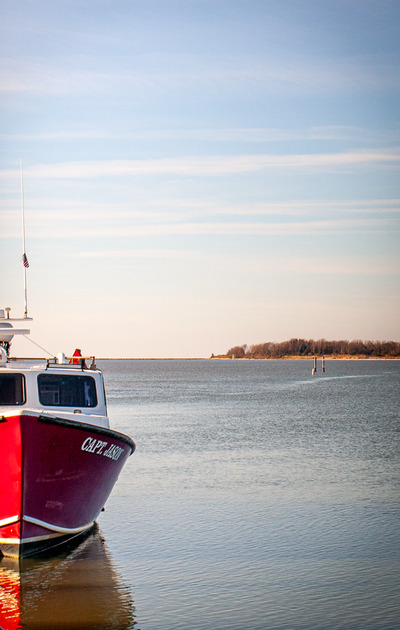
314 370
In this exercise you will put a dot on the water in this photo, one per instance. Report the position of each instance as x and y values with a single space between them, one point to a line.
259 497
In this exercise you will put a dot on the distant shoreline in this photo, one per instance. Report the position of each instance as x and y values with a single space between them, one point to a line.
337 357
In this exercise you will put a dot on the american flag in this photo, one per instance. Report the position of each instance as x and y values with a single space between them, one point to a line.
24 261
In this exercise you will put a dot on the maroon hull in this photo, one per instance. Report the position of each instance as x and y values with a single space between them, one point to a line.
61 475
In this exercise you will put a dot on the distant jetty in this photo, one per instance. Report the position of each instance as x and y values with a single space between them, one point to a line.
308 348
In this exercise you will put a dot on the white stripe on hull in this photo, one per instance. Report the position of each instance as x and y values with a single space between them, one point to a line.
57 531
56 528
9 521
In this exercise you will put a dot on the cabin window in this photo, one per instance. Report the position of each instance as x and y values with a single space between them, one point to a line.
12 389
59 390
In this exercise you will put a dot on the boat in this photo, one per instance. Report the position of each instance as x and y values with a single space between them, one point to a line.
59 457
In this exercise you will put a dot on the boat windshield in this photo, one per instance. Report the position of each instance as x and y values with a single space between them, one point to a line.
12 389
65 390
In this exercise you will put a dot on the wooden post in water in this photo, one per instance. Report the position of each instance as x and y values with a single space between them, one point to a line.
323 364
314 370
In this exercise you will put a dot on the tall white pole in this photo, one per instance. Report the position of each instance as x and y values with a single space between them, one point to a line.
23 241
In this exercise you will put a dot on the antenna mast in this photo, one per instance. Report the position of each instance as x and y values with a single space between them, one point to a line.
24 260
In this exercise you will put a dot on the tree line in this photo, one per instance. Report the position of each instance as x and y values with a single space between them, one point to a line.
321 347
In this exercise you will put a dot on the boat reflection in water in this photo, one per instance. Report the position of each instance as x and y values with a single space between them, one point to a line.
76 589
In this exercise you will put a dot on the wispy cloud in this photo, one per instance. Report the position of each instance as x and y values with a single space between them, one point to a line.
61 135
215 165
50 218
40 78
174 208
140 253
251 263
265 135
249 135
114 229
161 72
312 207
257 228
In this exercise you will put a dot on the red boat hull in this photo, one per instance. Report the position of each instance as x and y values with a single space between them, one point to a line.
56 476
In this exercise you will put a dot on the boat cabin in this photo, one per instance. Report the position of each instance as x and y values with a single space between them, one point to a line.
72 391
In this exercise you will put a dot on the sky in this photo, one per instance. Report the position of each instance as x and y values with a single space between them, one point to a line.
199 174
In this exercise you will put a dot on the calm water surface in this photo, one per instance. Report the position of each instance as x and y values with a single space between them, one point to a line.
259 497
